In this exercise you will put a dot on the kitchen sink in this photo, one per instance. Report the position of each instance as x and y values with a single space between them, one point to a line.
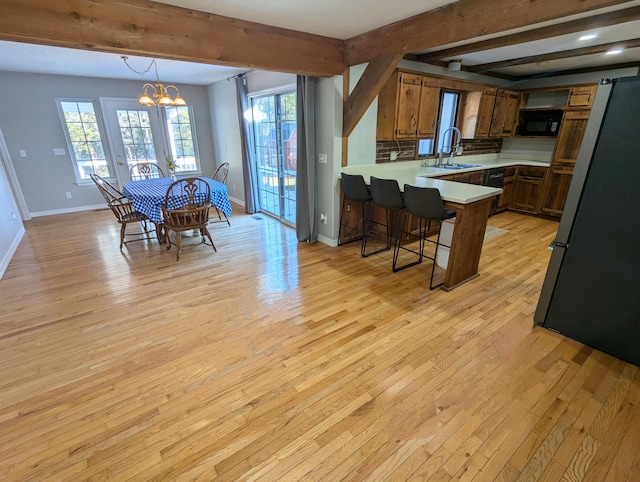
460 166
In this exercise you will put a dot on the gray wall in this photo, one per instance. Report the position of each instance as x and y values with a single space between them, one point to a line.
223 109
11 227
30 121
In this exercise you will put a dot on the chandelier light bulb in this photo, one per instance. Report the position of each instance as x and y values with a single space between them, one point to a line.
156 94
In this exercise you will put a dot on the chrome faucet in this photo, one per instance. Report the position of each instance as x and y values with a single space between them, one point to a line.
454 148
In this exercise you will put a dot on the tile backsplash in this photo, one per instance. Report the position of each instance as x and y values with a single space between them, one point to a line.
406 150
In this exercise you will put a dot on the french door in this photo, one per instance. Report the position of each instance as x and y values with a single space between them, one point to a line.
274 127
135 135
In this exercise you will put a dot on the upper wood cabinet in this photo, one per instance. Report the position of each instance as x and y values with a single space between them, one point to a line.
561 97
490 112
485 111
582 96
505 113
407 109
570 136
428 111
510 121
408 98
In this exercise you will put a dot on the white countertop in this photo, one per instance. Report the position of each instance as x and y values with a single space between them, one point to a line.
412 173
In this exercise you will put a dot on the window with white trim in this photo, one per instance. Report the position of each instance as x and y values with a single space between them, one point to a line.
181 138
84 135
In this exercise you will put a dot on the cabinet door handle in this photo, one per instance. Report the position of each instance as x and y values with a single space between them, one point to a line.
528 178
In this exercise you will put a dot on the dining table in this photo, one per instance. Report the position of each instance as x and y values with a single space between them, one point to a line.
148 196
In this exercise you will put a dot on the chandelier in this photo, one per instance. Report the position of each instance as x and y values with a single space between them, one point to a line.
158 93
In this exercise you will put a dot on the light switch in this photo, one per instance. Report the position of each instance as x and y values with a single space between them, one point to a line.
23 153
322 158
58 151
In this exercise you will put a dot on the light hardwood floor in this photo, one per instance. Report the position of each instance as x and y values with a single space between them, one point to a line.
274 360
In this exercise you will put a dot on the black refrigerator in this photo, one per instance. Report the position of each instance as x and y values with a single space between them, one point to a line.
591 291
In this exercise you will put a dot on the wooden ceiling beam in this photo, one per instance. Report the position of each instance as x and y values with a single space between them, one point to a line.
151 29
367 88
563 54
463 20
573 26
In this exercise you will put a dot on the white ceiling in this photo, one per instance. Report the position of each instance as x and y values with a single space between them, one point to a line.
41 59
341 19
332 18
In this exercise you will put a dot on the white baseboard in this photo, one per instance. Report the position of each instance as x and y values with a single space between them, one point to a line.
11 251
328 241
69 210
236 200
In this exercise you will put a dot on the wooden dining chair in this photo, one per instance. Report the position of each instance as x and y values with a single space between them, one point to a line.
122 209
186 207
145 170
221 174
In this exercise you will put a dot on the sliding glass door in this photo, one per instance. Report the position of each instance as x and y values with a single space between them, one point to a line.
274 127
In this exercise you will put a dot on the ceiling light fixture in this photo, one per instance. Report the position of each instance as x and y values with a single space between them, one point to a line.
589 36
156 94
614 52
454 65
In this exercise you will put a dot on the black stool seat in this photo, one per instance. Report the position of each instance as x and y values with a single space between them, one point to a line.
386 194
354 188
424 203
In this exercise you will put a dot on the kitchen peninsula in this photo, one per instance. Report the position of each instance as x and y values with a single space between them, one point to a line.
471 202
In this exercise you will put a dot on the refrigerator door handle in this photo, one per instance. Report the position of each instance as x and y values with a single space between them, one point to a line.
554 243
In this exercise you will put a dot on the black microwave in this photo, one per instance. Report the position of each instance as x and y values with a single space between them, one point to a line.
539 122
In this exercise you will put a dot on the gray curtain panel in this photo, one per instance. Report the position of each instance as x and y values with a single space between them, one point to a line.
250 176
306 205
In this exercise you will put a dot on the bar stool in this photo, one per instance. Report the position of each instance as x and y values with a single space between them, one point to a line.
424 203
386 194
354 188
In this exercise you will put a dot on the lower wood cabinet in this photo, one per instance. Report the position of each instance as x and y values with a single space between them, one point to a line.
527 189
472 177
507 189
556 189
476 177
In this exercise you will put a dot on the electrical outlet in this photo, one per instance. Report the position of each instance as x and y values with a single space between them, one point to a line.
23 153
322 158
394 155
348 208
68 194
323 218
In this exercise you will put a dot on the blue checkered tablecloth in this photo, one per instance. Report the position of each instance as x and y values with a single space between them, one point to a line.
147 196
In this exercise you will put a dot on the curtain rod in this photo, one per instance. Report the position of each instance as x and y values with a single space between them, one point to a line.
241 75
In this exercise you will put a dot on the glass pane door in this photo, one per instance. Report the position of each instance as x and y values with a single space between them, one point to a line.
135 134
274 122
